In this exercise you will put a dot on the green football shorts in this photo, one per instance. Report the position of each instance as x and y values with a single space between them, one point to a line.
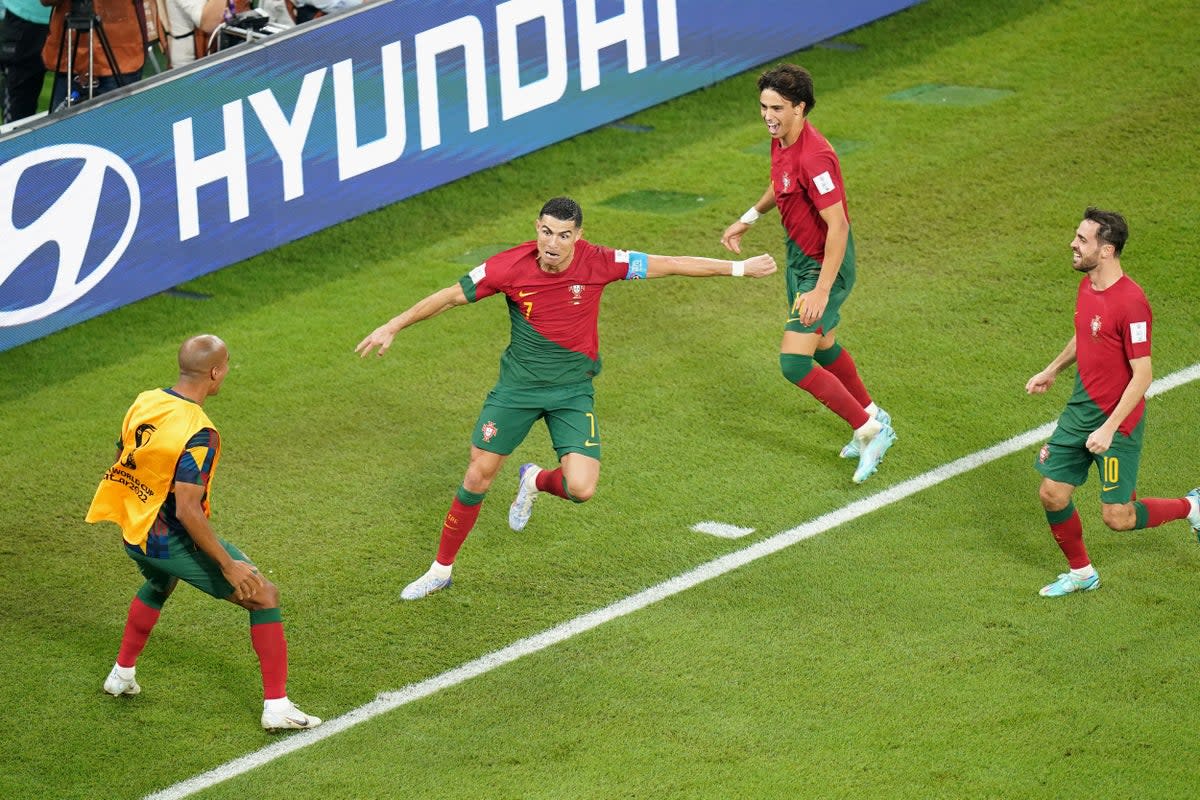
195 567
1066 459
509 414
801 275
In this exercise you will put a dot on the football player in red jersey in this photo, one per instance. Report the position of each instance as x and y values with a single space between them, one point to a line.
1103 422
807 188
552 286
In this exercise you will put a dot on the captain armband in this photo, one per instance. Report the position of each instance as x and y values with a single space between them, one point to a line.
638 264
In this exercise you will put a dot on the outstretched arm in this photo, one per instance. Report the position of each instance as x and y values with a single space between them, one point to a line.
1045 379
697 267
732 237
431 306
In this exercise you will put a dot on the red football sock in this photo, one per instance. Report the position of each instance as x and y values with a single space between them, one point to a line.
460 519
1069 535
271 647
824 386
1160 510
551 480
138 625
844 369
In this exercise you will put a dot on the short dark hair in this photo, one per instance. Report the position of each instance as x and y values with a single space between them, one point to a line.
1113 228
792 82
563 208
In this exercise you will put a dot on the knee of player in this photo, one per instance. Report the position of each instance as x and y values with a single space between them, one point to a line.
581 493
1052 497
476 485
266 597
1119 517
795 367
479 476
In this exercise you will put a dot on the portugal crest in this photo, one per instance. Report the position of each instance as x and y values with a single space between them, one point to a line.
1096 327
576 293
1044 454
489 430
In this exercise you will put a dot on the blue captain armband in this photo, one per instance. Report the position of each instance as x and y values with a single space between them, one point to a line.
638 264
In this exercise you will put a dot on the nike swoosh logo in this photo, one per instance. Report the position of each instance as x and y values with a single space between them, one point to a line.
298 722
590 443
1107 488
525 294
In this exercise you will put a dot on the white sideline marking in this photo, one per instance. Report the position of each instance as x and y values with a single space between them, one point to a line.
388 701
722 529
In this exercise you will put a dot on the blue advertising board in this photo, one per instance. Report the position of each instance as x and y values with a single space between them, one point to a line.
249 149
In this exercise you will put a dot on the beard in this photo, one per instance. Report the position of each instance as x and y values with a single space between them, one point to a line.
1086 264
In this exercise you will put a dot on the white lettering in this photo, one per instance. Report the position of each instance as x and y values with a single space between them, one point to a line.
353 158
229 165
536 26
467 33
629 27
515 98
289 137
668 30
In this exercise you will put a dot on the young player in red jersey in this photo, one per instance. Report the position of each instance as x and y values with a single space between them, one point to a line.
806 186
1104 420
552 286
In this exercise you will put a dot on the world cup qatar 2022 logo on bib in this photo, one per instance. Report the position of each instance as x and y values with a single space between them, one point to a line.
67 214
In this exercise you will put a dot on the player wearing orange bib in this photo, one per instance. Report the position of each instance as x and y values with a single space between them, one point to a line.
159 493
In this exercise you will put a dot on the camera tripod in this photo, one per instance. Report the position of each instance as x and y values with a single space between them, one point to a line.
82 20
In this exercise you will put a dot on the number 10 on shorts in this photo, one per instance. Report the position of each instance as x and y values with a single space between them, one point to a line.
1112 469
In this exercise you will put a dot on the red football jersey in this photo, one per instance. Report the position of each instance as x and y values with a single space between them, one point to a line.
555 335
807 178
1112 327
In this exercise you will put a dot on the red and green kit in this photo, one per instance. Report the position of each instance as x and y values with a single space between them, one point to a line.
1112 327
807 178
554 353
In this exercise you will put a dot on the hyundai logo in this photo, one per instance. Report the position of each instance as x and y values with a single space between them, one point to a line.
69 223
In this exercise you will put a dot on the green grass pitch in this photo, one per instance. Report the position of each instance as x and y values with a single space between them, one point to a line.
904 654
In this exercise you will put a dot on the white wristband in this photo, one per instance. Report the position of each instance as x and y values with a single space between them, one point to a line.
738 269
751 216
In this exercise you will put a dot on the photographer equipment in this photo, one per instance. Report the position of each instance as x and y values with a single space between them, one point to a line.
248 26
82 19
75 25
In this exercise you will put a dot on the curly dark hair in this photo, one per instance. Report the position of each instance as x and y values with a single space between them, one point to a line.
792 82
